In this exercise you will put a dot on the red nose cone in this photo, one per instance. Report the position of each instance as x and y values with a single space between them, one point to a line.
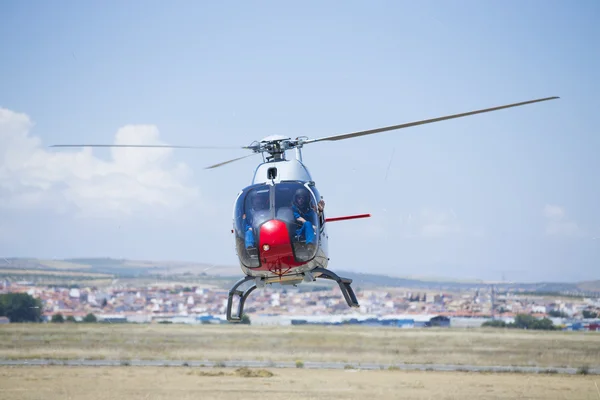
274 241
275 247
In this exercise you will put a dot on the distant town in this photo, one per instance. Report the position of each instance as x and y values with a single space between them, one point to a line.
195 304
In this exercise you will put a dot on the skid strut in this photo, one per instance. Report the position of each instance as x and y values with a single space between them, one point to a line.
243 295
344 284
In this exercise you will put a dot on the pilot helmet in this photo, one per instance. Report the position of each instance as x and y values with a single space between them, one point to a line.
301 193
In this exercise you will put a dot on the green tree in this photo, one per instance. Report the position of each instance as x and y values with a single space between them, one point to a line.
496 323
544 324
58 318
20 307
589 314
526 321
90 318
71 318
557 314
245 319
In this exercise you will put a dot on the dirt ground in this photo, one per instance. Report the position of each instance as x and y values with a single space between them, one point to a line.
158 383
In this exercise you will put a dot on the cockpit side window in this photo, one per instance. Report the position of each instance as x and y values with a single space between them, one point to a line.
253 208
317 195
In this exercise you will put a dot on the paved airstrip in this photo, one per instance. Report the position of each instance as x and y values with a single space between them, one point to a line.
308 365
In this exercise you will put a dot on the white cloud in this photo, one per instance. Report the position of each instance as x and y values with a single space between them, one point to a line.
59 179
436 223
557 222
553 212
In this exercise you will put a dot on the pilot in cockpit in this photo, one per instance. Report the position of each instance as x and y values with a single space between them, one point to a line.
306 213
259 202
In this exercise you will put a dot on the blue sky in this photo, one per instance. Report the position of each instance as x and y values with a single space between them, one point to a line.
513 192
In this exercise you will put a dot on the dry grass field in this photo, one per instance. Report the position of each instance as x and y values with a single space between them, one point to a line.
346 344
158 383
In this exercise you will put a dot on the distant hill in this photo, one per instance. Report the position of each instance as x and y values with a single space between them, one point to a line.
137 268
34 263
119 267
589 288
50 272
123 268
592 286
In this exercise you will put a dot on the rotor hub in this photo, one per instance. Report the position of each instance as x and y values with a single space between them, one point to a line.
275 146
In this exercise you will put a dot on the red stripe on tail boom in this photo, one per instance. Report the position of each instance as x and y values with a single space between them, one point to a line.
347 217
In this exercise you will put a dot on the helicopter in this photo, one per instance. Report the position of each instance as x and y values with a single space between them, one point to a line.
279 222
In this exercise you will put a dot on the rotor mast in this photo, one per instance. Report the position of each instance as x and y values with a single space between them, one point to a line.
298 147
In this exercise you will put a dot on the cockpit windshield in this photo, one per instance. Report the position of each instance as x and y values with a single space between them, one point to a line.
257 207
295 204
291 202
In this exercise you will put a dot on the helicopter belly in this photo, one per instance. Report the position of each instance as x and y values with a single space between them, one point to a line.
281 272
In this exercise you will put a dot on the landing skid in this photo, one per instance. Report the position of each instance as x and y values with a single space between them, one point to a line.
344 284
243 295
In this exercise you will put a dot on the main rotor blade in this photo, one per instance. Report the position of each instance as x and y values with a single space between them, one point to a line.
145 145
425 121
229 161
